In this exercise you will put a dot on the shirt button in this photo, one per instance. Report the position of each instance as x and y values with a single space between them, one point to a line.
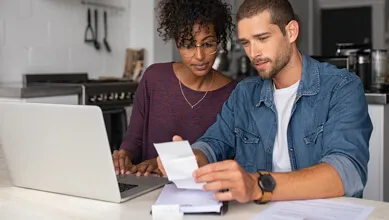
268 150
245 138
291 149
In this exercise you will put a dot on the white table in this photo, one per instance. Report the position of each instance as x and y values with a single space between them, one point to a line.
17 203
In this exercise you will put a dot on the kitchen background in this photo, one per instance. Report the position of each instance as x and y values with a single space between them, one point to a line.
47 36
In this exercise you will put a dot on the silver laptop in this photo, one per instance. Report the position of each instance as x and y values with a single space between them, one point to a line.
64 149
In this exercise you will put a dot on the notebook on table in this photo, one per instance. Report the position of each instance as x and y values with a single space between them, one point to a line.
191 201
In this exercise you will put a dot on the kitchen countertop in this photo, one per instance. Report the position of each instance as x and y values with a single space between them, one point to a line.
18 90
377 98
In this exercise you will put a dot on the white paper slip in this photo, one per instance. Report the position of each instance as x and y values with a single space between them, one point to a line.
179 163
189 201
320 209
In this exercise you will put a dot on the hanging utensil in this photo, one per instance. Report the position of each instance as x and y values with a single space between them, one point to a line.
106 32
97 44
89 29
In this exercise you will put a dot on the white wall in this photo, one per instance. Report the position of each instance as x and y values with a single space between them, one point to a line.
48 36
143 32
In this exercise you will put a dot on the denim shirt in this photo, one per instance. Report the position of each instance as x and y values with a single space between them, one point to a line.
329 123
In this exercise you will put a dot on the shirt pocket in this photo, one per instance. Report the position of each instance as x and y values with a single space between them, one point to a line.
246 147
312 138
314 142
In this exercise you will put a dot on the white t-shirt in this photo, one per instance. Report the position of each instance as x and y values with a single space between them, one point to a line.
283 99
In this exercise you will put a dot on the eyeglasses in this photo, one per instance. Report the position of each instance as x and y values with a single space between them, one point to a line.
189 50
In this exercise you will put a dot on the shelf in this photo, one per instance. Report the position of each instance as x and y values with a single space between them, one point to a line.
97 4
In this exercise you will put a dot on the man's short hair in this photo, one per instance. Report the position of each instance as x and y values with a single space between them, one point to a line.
281 11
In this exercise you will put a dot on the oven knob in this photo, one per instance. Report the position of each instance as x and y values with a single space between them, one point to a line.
122 96
92 98
128 96
111 96
100 98
116 96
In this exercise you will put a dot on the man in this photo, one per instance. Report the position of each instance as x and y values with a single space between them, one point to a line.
299 131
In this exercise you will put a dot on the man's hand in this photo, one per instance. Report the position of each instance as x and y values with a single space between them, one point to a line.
228 175
147 167
122 162
200 157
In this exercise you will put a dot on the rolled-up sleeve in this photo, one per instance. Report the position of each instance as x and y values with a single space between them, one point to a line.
352 182
206 149
347 134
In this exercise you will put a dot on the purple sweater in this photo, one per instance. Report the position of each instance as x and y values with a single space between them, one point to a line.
160 112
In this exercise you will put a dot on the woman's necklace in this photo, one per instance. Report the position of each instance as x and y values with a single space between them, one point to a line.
182 92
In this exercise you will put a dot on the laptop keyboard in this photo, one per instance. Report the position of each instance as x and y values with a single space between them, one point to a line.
124 187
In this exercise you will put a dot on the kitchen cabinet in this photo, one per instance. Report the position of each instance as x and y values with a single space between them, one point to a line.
377 187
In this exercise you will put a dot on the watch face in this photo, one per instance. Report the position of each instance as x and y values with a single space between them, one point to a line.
267 183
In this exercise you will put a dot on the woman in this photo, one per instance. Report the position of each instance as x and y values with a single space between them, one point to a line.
179 98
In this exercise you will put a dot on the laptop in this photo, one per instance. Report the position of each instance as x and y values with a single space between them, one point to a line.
65 149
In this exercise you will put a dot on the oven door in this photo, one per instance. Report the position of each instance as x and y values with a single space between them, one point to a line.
116 124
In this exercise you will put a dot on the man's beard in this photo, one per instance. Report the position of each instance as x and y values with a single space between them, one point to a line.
281 61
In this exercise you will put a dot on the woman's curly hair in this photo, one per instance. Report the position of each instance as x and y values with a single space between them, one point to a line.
177 17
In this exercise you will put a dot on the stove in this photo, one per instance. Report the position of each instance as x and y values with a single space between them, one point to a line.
111 93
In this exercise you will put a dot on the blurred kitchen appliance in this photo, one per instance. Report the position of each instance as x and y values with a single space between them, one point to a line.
351 50
112 96
222 62
363 69
346 49
379 61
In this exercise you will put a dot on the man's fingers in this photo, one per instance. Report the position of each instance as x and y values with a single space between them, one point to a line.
216 176
177 138
224 196
218 185
215 167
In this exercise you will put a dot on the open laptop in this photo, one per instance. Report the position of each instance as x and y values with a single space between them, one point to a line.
64 149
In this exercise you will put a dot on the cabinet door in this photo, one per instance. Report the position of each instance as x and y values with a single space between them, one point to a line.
374 186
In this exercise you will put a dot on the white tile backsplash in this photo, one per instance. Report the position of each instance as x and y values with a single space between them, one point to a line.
13 62
26 32
48 36
64 36
15 9
55 11
2 33
88 59
48 58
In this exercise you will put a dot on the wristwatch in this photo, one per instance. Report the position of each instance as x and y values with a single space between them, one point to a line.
267 185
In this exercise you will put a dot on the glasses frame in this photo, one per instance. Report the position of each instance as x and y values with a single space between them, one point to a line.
201 46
